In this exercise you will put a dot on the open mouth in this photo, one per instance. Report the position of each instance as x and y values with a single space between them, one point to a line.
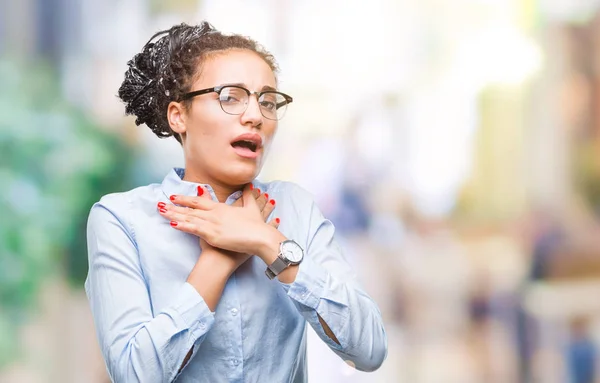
245 144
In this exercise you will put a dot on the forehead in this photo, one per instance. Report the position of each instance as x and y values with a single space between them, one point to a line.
236 66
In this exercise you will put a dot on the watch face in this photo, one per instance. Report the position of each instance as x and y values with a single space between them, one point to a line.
292 251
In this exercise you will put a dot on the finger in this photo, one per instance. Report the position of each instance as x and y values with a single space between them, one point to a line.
248 198
275 222
239 202
261 201
194 228
203 192
170 211
193 202
179 213
167 209
255 191
269 207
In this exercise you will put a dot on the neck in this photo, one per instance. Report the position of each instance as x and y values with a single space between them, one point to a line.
222 191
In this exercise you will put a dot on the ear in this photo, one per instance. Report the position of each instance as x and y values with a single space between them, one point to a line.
176 117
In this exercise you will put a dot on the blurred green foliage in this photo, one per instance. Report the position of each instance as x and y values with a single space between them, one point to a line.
54 164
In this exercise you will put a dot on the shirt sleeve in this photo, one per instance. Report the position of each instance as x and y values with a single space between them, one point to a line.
137 346
326 286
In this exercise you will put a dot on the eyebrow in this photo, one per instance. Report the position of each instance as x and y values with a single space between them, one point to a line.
264 88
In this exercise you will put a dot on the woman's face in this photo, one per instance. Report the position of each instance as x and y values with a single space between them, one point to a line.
210 136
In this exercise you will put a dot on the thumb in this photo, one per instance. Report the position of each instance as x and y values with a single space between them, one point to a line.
248 198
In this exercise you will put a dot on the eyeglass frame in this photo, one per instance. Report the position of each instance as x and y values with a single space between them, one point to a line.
219 88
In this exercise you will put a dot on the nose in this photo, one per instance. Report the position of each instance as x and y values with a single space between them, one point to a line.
252 115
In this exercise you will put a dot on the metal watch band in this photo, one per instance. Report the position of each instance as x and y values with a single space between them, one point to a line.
276 267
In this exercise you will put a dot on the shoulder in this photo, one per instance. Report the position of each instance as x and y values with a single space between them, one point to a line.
289 191
121 201
120 206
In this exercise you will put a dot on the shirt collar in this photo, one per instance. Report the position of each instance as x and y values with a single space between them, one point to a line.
173 183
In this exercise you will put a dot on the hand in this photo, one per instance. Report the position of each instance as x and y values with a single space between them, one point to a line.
235 259
235 228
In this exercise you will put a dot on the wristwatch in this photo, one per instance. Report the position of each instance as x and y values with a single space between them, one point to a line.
290 254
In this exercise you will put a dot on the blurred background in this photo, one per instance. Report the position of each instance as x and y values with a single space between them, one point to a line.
455 145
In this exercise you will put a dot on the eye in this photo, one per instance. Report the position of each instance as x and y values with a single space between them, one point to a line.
268 101
232 96
229 98
269 105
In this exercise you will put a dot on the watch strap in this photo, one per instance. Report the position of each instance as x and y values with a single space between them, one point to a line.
276 267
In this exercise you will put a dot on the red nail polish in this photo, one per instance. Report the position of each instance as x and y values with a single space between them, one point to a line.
173 223
277 220
267 195
258 190
172 198
251 186
162 210
161 204
272 202
200 191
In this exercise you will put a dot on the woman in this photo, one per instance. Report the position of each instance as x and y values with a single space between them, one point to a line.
186 278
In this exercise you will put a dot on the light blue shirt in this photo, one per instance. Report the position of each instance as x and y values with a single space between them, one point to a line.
148 317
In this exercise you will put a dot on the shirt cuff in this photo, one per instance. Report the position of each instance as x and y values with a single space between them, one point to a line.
192 312
310 282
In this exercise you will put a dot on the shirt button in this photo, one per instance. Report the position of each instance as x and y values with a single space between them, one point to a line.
234 311
202 325
236 362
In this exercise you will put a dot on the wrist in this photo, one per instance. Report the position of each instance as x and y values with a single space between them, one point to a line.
216 262
268 246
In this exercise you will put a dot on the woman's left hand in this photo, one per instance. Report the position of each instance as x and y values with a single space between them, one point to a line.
236 228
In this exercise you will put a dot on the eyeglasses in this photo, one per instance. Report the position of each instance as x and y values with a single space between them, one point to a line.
234 100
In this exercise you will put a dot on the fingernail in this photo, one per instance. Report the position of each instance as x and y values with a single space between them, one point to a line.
172 198
272 202
161 204
267 195
200 191
277 220
251 186
162 210
173 223
258 190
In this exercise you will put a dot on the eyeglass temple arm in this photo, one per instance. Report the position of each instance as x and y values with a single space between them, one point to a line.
189 95
287 101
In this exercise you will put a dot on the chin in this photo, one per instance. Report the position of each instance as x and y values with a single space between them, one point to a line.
240 175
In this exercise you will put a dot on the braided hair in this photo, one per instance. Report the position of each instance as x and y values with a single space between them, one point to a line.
167 67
